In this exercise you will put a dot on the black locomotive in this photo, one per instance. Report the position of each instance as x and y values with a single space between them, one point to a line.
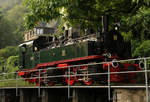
46 51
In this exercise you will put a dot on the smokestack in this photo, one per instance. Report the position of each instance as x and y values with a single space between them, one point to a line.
104 23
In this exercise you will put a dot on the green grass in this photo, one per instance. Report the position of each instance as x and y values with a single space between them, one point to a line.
14 83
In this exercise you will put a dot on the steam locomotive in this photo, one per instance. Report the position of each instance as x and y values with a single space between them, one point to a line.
50 52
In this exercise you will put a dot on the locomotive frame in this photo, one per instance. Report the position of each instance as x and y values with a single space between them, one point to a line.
45 52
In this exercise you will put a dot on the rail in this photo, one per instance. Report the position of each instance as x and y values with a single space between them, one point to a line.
7 78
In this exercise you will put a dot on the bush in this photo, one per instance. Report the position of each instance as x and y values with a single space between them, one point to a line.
142 50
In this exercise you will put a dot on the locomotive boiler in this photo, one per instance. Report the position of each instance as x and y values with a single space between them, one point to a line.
50 52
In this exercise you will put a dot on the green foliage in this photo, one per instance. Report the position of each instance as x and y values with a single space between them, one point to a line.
6 5
146 2
17 19
139 24
143 50
117 7
9 60
1 15
12 66
135 44
42 10
6 30
11 23
77 12
14 15
127 36
6 53
11 32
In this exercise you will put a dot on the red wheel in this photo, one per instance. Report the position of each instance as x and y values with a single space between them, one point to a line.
37 83
87 80
72 78
71 81
41 84
50 83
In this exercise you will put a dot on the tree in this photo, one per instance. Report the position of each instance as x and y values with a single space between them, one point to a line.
145 2
0 15
138 25
12 64
8 57
82 12
7 5
9 51
11 24
16 16
143 50
6 30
